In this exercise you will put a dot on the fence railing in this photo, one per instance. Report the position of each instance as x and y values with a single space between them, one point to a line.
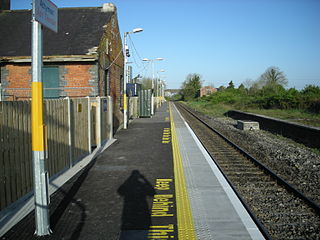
73 128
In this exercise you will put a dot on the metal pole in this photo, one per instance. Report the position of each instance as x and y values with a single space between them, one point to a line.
0 93
41 196
125 84
152 86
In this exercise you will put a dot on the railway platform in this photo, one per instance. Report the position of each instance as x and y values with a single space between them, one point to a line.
156 181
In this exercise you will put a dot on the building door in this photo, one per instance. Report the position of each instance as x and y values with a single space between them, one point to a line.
50 78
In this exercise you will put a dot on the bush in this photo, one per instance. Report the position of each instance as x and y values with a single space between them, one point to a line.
311 91
268 97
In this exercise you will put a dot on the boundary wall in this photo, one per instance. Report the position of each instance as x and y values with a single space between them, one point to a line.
310 136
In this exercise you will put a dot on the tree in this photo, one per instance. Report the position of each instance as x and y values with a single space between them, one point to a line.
230 85
311 90
242 88
221 88
248 83
146 83
254 89
273 76
191 86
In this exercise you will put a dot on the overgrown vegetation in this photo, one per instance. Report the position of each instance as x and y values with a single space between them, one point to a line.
267 96
191 87
275 97
146 83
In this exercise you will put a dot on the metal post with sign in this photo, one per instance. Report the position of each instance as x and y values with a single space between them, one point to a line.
44 12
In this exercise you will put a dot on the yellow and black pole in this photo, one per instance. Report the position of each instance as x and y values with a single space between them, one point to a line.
40 175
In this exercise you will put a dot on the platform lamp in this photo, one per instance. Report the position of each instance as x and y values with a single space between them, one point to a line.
126 55
152 82
159 83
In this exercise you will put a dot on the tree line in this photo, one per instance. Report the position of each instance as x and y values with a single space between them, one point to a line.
267 92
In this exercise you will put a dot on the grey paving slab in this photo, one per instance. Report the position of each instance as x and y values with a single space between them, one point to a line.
217 212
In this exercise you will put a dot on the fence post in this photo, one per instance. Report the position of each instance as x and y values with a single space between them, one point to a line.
110 116
89 125
70 132
98 122
0 92
152 103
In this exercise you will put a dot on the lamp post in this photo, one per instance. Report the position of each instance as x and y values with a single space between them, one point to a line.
126 55
152 82
159 83
164 86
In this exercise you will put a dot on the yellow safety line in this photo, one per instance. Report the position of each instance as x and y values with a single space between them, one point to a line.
184 215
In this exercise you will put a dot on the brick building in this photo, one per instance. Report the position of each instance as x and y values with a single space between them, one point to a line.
83 59
207 90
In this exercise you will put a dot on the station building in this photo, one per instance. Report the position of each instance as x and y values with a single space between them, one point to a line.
84 58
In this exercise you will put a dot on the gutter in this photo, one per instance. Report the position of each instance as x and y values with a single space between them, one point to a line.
57 58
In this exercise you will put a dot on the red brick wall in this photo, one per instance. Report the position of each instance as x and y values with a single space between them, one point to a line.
77 76
17 77
111 58
74 78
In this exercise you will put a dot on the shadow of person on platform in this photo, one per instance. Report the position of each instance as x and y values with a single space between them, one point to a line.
136 216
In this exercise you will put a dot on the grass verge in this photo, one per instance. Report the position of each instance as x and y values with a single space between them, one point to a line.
292 115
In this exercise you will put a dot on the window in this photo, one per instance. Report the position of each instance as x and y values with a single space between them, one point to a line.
50 78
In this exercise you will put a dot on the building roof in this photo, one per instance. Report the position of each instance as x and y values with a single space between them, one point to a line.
79 29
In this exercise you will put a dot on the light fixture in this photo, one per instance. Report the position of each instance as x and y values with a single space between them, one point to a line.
137 30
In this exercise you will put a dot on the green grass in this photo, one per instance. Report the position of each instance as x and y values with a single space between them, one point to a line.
215 110
293 115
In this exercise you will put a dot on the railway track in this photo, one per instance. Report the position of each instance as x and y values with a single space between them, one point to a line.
280 211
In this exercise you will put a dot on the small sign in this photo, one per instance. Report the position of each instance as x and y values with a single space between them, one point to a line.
79 108
46 13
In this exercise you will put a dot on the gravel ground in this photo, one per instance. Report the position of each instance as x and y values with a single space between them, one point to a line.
294 162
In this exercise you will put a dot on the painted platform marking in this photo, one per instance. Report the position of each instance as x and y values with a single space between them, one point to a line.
186 229
161 232
162 207
166 136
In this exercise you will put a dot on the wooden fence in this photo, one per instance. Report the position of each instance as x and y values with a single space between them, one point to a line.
73 128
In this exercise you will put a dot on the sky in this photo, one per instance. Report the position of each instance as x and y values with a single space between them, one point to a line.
222 40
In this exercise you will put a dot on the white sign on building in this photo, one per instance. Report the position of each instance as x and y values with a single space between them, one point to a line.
46 13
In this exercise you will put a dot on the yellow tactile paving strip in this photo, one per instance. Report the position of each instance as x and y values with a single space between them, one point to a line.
186 229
